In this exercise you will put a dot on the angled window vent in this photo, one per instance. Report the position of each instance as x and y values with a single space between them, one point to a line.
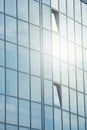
57 94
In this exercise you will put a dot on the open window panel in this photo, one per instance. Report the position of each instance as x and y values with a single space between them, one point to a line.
57 94
55 20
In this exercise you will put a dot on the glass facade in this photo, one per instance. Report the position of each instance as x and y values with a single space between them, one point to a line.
43 65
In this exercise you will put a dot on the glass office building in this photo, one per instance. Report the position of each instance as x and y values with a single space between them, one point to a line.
43 65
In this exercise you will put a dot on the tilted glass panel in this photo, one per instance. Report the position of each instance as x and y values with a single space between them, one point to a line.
35 89
48 118
2 80
34 12
23 9
23 86
1 26
23 36
2 110
35 115
35 63
11 110
46 17
73 101
48 88
10 7
24 113
11 55
1 53
11 30
23 59
34 37
11 82
57 119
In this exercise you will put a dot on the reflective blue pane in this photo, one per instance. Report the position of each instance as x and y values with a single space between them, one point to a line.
11 29
34 37
35 89
10 7
74 125
11 127
1 5
1 26
81 123
48 118
2 127
11 56
23 9
23 59
34 12
20 128
24 113
23 86
46 17
11 110
36 115
48 92
2 81
11 82
23 33
66 123
1 53
2 110
35 63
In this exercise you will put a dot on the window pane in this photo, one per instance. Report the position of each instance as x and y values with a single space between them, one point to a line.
34 12
79 56
11 82
80 80
74 125
85 59
86 104
48 118
11 127
23 86
70 29
47 41
11 55
1 53
2 127
46 2
35 89
84 15
20 128
36 115
1 26
11 110
10 7
46 17
65 101
47 67
57 119
62 6
35 63
73 103
80 104
81 123
78 33
24 113
66 122
84 36
10 28
54 4
55 21
2 80
1 5
34 37
85 81
23 59
23 9
2 108
48 88
23 33
77 11
70 8
72 73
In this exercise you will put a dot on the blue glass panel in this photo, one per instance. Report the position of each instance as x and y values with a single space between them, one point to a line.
10 7
2 81
24 113
2 110
11 56
1 26
2 127
23 86
11 127
11 110
1 53
11 82
11 29
23 9
1 5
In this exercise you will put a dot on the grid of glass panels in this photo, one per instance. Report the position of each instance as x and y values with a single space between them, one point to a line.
35 52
